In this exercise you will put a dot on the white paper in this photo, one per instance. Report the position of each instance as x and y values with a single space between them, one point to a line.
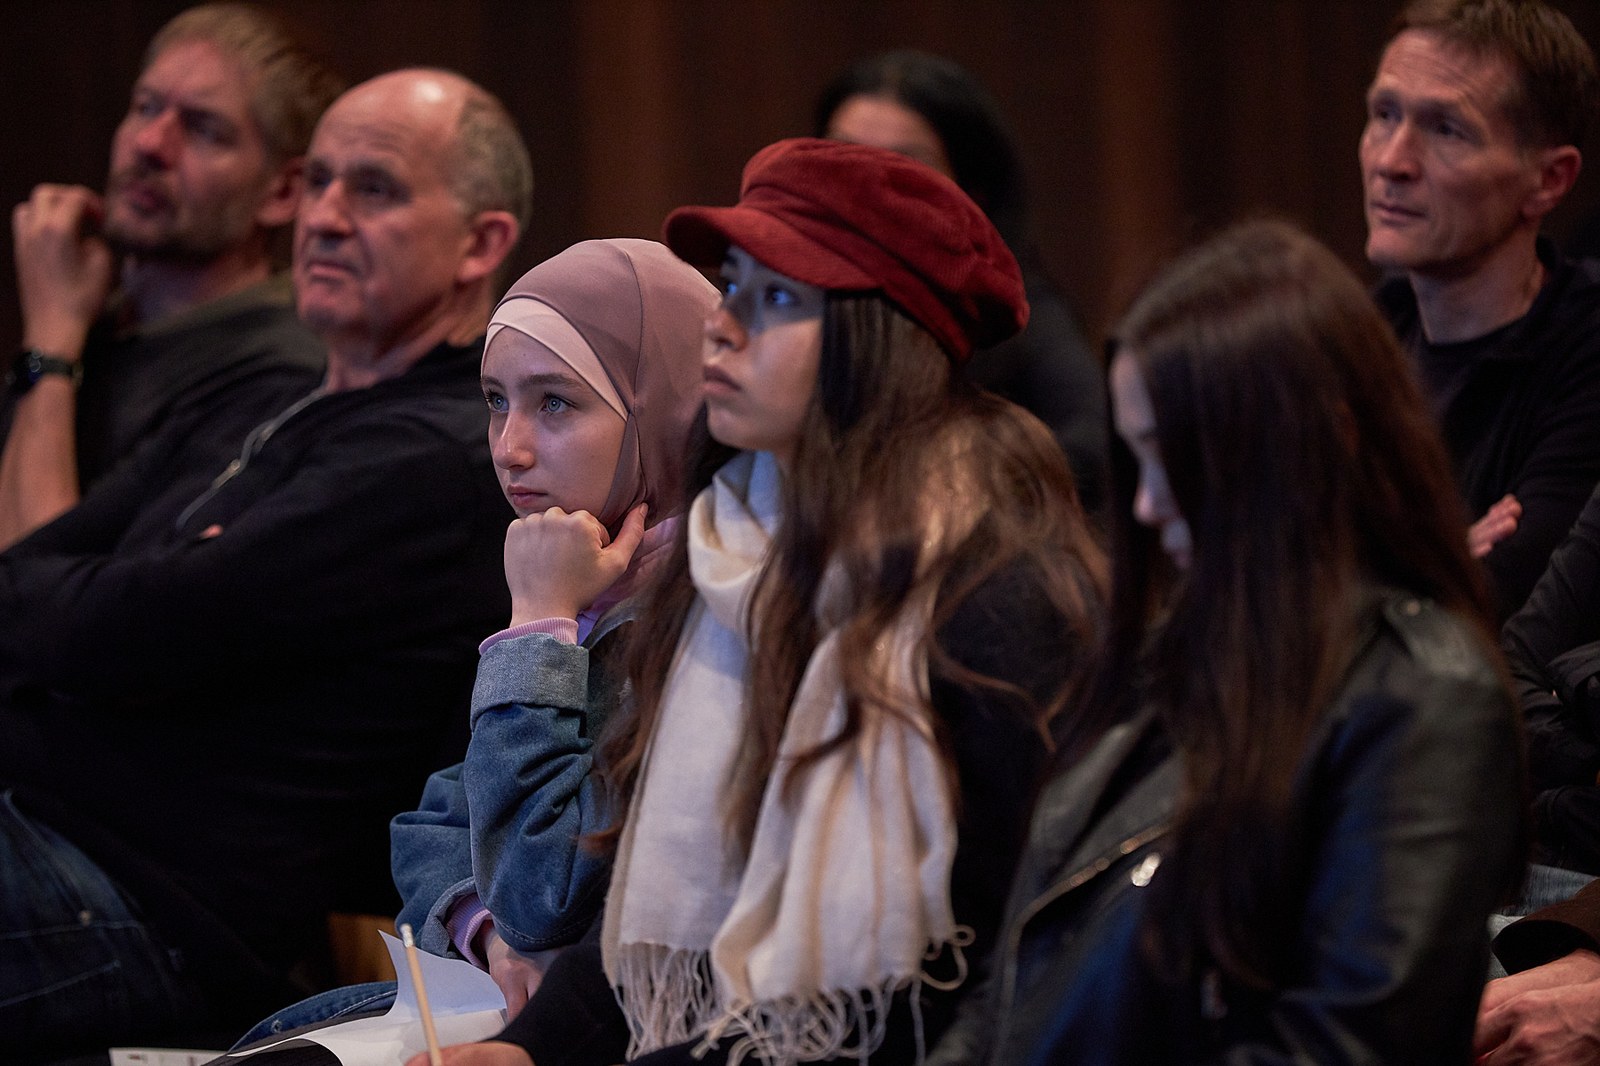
467 1005
159 1056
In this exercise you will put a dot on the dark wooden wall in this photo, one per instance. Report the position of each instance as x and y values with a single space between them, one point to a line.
1142 122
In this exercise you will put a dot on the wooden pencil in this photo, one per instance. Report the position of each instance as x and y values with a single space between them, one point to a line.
415 964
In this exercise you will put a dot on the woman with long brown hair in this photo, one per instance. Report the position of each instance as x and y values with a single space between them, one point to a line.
1294 793
843 683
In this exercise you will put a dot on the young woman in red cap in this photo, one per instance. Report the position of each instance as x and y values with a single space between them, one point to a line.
844 680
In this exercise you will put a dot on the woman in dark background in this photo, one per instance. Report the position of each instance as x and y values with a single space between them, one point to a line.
929 108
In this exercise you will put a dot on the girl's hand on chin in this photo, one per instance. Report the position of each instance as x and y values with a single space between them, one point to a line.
559 563
492 1053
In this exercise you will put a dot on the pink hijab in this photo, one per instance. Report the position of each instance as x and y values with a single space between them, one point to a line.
628 318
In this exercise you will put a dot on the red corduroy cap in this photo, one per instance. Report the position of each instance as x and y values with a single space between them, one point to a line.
849 217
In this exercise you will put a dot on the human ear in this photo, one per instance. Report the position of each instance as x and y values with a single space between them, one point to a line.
1558 170
282 195
490 237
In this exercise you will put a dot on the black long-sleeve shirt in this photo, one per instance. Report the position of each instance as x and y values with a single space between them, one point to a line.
1520 413
223 705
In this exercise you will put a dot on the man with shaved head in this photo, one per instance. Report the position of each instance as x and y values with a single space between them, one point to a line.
224 670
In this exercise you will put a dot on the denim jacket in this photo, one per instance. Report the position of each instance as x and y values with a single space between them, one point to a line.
506 822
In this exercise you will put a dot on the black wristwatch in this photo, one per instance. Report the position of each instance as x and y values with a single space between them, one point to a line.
31 364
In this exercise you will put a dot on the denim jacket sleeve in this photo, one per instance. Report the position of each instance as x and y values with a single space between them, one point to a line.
430 856
536 708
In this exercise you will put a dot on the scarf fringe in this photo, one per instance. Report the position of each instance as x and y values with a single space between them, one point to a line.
665 993
674 1000
812 1029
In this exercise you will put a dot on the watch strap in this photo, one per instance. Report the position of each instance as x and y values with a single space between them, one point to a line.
32 364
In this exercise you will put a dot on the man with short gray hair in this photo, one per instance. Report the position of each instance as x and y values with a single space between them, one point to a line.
225 670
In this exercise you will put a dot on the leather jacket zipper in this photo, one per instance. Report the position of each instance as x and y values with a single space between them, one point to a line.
1079 877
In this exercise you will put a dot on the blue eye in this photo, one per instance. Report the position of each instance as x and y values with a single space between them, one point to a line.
554 405
496 402
779 296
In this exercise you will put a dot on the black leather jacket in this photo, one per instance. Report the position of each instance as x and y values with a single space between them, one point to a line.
1409 798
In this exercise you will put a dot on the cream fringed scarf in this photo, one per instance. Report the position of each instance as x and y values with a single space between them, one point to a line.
847 888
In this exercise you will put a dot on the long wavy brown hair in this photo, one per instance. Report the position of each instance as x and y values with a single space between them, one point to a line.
890 426
1299 449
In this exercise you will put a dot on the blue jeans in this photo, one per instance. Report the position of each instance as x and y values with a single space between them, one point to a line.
1545 885
79 970
334 1005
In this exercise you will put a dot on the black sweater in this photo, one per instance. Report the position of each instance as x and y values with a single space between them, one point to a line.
1520 413
223 705
1008 629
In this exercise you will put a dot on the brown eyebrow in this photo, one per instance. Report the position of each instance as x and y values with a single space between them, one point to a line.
564 380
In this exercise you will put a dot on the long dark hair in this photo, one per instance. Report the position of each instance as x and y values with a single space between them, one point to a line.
888 418
1299 450
978 143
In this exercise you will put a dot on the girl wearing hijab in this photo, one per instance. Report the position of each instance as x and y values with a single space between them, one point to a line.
591 374
843 678
592 380
1293 794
